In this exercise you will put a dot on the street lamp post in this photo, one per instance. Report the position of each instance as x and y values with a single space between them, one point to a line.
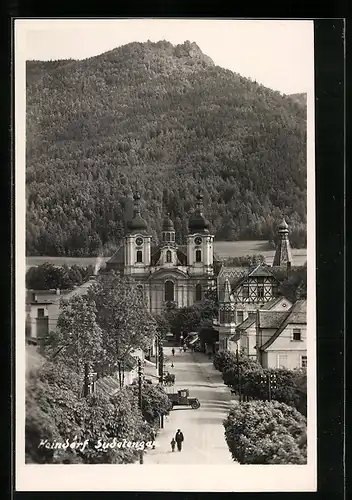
238 373
161 373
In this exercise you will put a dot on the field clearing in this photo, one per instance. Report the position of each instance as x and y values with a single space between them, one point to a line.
224 249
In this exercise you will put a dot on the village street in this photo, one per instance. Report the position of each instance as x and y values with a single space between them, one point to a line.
202 428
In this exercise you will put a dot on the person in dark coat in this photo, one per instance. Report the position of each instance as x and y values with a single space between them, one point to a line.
179 439
173 351
173 444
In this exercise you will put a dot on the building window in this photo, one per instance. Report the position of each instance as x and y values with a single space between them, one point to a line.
167 236
169 291
239 317
172 236
168 256
40 313
260 292
303 361
198 292
198 256
139 256
245 292
296 334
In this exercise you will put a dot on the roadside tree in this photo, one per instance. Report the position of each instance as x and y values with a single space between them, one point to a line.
263 432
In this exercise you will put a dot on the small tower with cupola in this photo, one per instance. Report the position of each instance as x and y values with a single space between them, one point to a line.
283 254
137 254
168 248
199 243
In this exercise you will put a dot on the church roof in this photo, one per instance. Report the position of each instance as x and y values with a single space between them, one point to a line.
283 253
137 223
168 224
197 222
118 257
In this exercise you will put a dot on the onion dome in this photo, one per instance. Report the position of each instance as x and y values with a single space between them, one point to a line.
137 223
168 225
197 223
283 226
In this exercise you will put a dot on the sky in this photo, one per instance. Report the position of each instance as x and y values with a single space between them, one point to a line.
276 53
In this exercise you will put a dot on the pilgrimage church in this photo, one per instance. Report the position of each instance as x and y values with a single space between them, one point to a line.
168 273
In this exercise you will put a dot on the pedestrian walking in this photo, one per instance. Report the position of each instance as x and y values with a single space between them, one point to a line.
180 348
172 365
173 444
173 351
179 439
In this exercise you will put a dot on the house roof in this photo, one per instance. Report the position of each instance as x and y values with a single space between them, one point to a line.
266 307
51 297
246 323
260 271
233 274
271 319
296 315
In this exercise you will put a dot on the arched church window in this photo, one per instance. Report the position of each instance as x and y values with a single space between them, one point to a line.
198 292
198 256
172 236
168 256
139 256
169 291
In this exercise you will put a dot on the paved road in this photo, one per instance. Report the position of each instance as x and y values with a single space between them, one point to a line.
203 430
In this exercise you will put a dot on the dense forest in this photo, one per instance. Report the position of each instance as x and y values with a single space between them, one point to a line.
165 120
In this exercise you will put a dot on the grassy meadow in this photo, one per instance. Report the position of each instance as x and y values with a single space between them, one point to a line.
223 249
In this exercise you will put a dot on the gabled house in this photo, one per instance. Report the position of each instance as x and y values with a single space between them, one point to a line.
281 337
245 332
43 310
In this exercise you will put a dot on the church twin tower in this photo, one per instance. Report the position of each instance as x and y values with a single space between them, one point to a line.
140 253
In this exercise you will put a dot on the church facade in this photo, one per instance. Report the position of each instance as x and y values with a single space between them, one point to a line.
168 273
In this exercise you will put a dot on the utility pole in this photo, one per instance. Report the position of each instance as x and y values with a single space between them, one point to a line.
140 400
238 373
161 373
156 350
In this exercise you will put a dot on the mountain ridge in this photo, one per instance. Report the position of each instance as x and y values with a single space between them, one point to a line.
153 115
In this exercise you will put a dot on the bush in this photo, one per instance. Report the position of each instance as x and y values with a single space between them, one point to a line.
285 386
155 401
223 360
263 432
241 368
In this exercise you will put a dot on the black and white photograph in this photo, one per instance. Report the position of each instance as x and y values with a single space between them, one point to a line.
165 287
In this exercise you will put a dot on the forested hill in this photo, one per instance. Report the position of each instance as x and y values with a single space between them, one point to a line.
300 98
165 119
